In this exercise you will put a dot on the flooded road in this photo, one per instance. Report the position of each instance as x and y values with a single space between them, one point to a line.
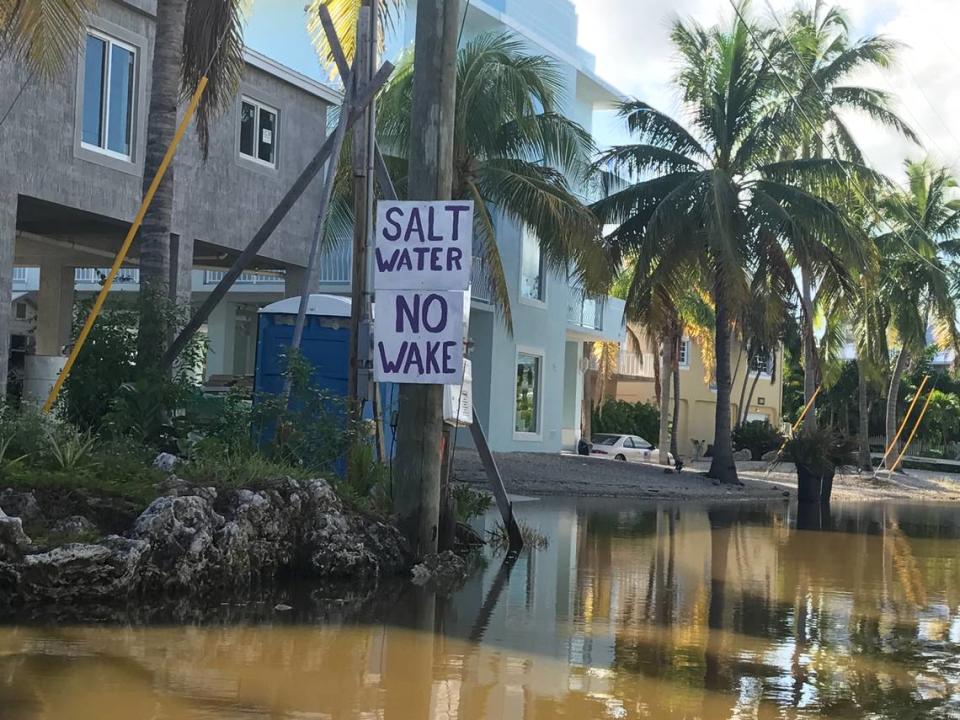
636 611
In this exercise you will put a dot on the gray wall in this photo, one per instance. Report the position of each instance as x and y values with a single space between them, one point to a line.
222 201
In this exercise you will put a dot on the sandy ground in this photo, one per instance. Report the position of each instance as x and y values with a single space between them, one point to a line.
571 475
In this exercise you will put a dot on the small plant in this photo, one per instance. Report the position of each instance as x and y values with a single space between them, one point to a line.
533 539
470 503
758 436
71 449
818 455
367 485
8 463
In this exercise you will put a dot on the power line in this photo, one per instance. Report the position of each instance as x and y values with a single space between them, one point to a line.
819 134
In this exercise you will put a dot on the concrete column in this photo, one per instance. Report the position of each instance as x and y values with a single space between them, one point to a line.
295 276
181 269
54 307
8 240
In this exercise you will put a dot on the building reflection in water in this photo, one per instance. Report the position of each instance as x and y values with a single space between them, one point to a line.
659 611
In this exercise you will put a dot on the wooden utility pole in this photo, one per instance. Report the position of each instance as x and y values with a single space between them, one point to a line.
420 420
364 134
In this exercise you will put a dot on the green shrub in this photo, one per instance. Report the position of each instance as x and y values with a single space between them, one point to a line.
757 436
367 482
470 503
822 450
211 462
619 416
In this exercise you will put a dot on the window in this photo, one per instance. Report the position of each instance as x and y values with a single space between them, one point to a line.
258 132
527 411
21 311
628 443
531 267
684 359
639 442
108 96
762 363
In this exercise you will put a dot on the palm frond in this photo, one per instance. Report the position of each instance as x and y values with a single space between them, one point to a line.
43 34
345 15
213 46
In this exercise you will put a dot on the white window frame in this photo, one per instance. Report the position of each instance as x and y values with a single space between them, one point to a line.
763 373
540 302
105 104
684 363
256 132
528 436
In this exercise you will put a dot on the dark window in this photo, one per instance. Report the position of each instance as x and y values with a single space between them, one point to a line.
93 84
21 311
258 132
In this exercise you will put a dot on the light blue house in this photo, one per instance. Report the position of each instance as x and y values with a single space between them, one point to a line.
528 387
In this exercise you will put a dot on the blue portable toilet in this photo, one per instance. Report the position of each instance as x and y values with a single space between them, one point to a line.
325 344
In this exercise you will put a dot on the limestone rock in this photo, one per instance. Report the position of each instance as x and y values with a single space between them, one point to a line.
165 461
742 455
182 554
78 572
21 503
13 540
446 570
75 526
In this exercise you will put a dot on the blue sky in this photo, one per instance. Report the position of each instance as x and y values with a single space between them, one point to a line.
630 41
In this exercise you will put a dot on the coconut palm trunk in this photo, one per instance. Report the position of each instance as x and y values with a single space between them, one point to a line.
893 393
675 425
865 460
666 370
722 467
809 350
155 232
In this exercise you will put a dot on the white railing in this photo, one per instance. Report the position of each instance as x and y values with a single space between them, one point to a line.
19 275
479 280
212 277
95 276
585 311
632 364
336 265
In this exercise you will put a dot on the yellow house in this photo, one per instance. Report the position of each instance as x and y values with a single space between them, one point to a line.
634 382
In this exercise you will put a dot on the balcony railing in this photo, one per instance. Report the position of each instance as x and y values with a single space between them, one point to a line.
631 364
212 277
479 280
95 276
585 311
19 276
336 265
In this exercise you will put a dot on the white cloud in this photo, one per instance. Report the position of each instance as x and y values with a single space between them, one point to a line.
630 39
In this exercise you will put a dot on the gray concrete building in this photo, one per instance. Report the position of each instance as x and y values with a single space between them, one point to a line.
72 172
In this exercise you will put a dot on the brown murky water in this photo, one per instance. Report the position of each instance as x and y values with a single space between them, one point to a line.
650 612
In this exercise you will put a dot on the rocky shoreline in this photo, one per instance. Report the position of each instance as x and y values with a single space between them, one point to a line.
192 542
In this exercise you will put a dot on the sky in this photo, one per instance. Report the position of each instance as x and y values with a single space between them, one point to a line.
630 39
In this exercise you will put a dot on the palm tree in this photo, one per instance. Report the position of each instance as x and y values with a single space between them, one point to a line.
917 287
42 35
515 155
719 199
821 61
345 15
193 38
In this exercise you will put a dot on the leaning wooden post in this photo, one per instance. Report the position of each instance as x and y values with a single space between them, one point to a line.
420 419
906 416
913 432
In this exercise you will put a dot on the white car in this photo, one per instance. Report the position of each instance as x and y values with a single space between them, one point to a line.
626 448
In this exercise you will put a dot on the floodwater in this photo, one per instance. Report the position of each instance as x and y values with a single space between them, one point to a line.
630 612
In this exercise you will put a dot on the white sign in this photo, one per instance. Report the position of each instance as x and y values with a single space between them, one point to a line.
423 245
418 337
458 399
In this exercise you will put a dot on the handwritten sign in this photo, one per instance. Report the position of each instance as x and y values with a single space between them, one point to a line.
422 262
419 337
423 245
